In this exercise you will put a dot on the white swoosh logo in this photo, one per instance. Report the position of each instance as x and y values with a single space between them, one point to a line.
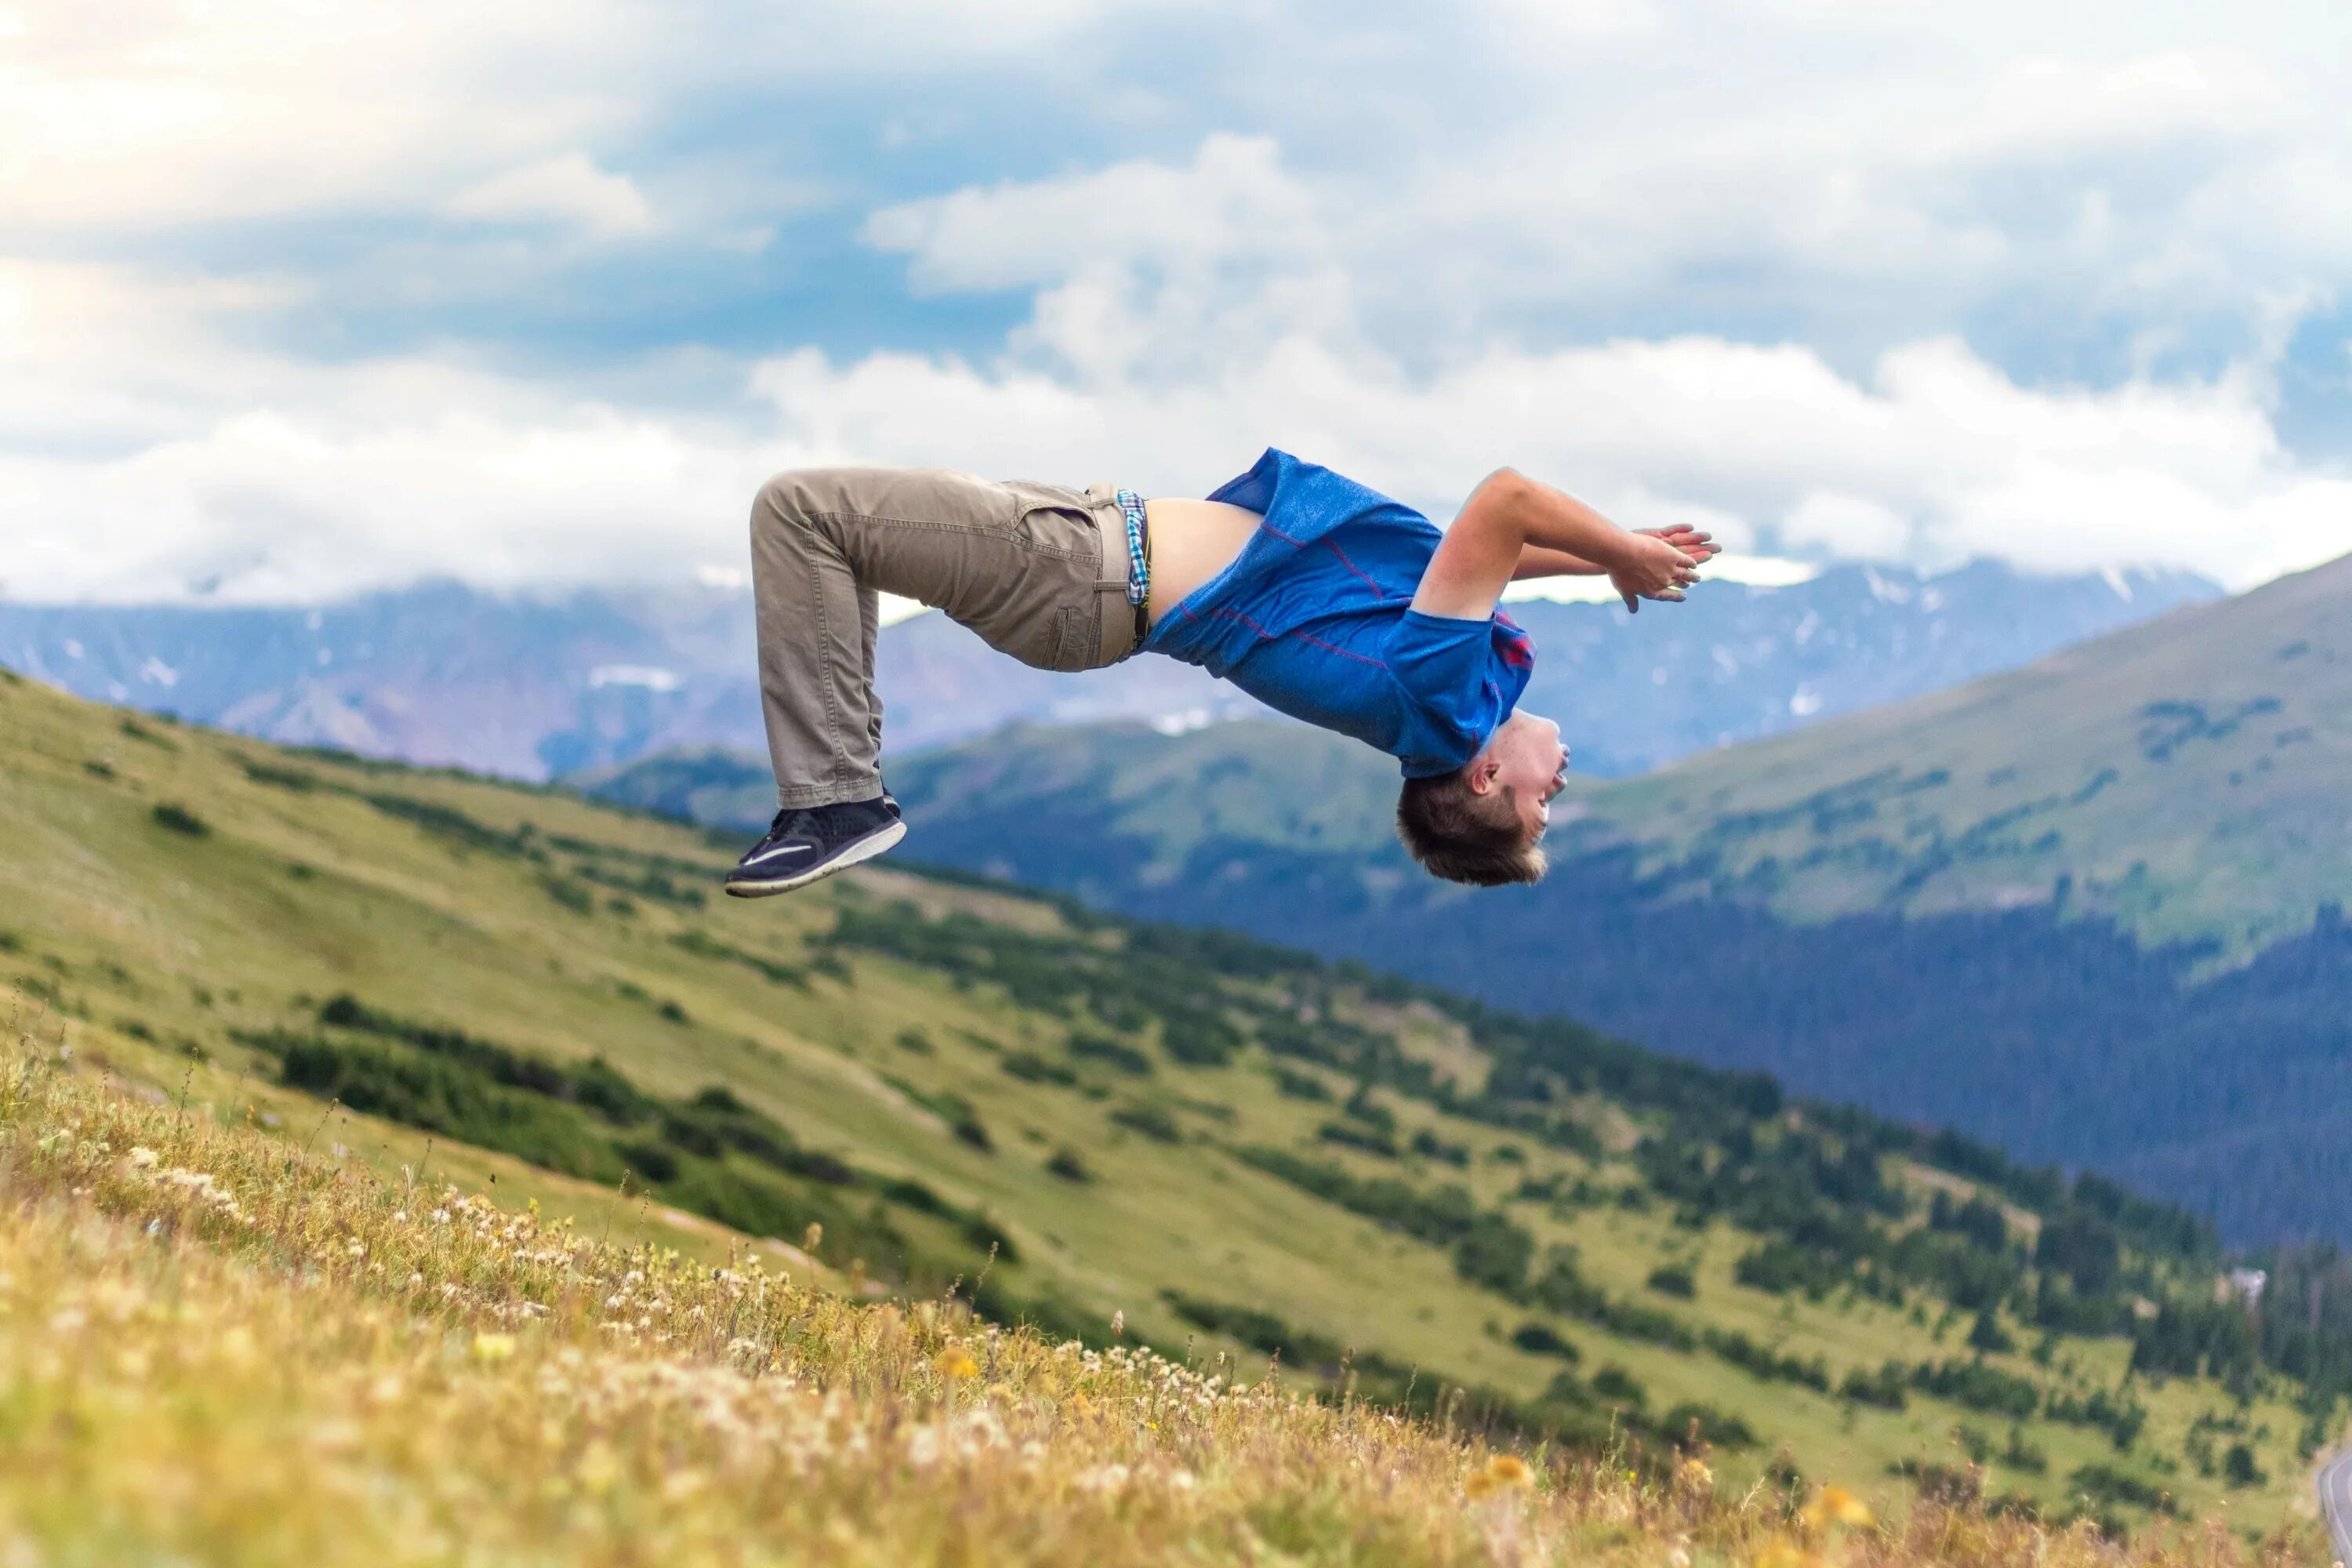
780 849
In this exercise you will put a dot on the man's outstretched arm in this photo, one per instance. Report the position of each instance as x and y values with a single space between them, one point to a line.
1510 514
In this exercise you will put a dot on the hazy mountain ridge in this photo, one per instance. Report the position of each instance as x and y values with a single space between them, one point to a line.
535 686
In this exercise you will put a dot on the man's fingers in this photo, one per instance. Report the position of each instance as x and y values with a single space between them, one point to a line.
1632 604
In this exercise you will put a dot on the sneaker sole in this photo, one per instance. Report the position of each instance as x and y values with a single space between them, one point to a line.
865 848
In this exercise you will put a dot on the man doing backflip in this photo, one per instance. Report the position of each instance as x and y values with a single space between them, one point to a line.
1321 598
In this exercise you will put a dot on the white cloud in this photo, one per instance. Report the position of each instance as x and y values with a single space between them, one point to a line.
140 115
567 189
2046 110
1234 200
143 115
1705 261
327 482
1935 457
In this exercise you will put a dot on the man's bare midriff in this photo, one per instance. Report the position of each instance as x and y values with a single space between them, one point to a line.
1191 541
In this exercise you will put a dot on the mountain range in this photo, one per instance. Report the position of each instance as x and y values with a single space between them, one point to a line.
536 688
2090 908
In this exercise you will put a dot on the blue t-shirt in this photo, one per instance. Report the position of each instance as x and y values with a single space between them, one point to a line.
1315 618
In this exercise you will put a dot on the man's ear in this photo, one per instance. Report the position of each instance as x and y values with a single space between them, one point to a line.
1481 773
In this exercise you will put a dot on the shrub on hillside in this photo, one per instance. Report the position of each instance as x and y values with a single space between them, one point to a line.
1883 1388
1111 1053
1198 1038
1430 1146
1616 1382
1296 1085
1978 1386
1673 1279
1539 1339
1031 1067
1355 1135
179 819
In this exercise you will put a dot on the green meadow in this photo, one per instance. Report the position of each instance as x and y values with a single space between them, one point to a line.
902 1085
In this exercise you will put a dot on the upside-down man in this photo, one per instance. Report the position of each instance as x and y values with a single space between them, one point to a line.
1319 597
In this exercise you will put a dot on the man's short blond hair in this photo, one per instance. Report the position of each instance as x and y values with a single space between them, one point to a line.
1464 837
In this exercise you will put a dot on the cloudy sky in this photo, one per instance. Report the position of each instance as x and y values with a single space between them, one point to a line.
300 298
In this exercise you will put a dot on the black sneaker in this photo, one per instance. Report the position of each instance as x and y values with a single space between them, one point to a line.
809 842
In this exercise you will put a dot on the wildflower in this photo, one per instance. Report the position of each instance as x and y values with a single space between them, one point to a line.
1105 1478
1782 1553
236 1346
1835 1505
598 1470
955 1364
1503 1473
1118 1323
492 1349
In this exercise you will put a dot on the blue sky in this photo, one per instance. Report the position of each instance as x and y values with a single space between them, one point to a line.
296 300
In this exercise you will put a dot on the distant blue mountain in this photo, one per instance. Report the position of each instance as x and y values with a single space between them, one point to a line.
537 687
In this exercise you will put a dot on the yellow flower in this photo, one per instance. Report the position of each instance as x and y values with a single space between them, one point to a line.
492 1349
955 1362
1782 1553
1835 1505
1503 1473
598 1470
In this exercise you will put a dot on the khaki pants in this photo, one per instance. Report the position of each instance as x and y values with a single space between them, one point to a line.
1039 571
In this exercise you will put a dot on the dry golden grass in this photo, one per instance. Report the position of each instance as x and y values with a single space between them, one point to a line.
217 1347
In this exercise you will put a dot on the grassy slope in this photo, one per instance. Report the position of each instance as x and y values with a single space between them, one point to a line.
217 1349
152 939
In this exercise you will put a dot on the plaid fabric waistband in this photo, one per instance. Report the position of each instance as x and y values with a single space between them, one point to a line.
1139 561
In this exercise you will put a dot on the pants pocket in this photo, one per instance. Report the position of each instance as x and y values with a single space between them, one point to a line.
1053 523
1077 641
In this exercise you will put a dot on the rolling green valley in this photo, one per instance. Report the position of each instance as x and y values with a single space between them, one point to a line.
911 1084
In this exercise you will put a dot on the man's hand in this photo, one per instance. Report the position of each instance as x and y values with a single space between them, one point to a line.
1652 566
1699 547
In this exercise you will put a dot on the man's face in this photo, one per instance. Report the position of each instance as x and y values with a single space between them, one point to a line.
1526 756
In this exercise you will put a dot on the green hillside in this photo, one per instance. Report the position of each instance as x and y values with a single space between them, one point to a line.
2191 778
903 1081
